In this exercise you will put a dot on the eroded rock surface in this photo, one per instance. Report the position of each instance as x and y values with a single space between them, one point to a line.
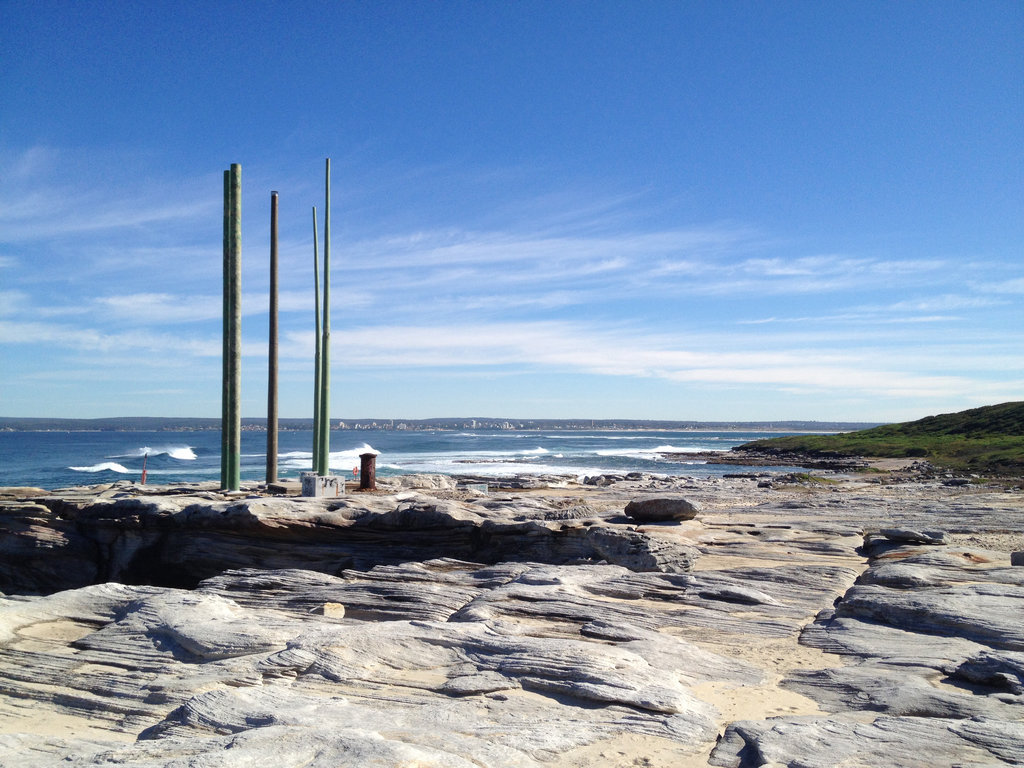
931 638
531 629
56 542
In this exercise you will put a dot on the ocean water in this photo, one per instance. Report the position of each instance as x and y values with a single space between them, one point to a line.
61 459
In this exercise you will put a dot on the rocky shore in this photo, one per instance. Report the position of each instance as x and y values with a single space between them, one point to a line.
758 620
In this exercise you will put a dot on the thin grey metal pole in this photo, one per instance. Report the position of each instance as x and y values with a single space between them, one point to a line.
235 360
225 389
325 352
316 356
272 350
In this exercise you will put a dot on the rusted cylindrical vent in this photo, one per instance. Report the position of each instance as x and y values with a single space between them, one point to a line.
368 472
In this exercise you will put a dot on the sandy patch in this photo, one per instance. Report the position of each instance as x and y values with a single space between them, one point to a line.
61 631
997 542
97 669
634 751
891 465
50 636
45 722
725 562
749 702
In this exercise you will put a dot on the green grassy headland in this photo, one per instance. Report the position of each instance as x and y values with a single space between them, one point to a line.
987 440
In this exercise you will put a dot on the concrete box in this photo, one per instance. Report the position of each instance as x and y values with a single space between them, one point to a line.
322 486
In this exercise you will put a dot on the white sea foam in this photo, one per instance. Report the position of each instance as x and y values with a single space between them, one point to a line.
586 452
649 453
591 436
295 460
179 452
636 453
348 459
106 466
338 460
494 469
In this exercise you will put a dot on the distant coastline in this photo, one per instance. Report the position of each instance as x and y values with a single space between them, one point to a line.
171 424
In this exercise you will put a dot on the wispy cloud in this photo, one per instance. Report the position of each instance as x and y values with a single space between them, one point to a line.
583 290
570 347
1014 285
571 254
921 309
449 265
81 339
944 303
13 302
23 304
450 247
61 213
172 308
807 274
161 308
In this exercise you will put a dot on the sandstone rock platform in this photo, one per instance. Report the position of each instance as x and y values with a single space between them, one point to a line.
849 623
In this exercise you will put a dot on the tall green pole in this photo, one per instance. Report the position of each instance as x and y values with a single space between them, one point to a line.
316 357
325 352
225 389
272 350
235 359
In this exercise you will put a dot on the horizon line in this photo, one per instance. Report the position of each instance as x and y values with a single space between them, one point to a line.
390 419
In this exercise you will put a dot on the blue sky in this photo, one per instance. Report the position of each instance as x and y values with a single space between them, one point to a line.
671 210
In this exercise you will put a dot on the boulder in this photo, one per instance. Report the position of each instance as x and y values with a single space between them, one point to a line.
997 669
909 536
661 509
603 480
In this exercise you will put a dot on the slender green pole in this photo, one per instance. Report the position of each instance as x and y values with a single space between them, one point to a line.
225 390
325 352
235 360
272 350
316 357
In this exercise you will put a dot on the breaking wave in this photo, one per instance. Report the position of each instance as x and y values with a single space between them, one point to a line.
649 453
179 452
106 466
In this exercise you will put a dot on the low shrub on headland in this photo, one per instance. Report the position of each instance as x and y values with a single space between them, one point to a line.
987 440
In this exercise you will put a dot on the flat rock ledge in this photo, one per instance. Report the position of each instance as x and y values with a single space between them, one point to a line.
853 624
63 542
